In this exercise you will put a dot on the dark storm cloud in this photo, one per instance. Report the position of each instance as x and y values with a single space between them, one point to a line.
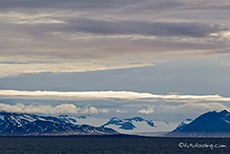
83 4
121 5
108 28
145 28
191 29
117 17
54 4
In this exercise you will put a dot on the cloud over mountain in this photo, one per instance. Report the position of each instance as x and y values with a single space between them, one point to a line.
48 109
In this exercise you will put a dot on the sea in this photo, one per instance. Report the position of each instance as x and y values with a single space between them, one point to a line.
113 145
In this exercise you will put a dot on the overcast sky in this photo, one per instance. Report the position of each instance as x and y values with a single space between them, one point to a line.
158 59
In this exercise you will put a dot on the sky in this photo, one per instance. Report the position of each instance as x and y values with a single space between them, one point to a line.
157 59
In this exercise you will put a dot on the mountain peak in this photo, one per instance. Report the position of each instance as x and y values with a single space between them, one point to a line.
63 116
208 124
114 118
84 116
137 119
223 112
129 123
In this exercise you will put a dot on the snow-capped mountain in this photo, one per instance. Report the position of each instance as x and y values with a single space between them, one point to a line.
210 124
128 124
66 118
21 124
140 126
132 126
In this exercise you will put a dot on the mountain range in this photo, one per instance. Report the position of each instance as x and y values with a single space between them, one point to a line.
210 124
25 124
133 126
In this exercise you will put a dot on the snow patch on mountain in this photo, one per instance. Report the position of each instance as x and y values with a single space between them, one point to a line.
84 119
2 117
185 122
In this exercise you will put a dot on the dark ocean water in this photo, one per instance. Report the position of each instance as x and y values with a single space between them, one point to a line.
111 144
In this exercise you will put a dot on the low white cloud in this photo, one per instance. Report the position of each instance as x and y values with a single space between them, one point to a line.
45 109
146 111
48 109
127 95
104 110
120 111
66 108
92 110
12 108
193 107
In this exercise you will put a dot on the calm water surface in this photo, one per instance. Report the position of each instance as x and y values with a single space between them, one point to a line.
110 145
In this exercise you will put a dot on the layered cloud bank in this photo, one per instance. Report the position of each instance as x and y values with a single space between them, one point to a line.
126 95
73 109
113 102
193 107
58 35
